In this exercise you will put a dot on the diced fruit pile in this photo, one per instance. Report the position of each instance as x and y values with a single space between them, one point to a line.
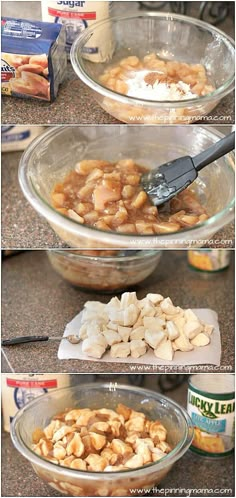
102 440
130 327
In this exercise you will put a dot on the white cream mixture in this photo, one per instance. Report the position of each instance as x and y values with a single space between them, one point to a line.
139 88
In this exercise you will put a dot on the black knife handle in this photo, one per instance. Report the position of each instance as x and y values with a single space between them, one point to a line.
24 339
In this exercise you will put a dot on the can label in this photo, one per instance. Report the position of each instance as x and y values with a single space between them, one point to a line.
210 260
213 421
78 16
32 384
20 389
7 71
89 16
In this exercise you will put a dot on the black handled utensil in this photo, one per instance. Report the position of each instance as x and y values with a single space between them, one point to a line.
169 179
73 339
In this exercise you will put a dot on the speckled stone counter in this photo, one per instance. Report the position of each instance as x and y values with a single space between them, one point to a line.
190 473
23 228
74 103
37 301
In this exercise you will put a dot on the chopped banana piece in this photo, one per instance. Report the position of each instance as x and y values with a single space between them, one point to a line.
155 298
138 348
201 340
154 338
89 314
139 322
145 302
121 350
128 298
164 350
182 343
131 314
113 303
94 346
179 311
112 337
208 329
164 446
96 463
83 331
172 318
157 454
153 323
192 328
175 348
113 468
134 462
124 332
138 333
112 326
148 311
116 316
167 307
172 331
190 316
94 328
143 449
179 322
95 306
147 440
156 429
119 447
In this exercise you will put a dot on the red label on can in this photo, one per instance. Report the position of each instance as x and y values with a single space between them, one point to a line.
6 76
32 384
88 16
7 71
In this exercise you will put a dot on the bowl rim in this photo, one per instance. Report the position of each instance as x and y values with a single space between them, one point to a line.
67 224
168 460
143 254
78 66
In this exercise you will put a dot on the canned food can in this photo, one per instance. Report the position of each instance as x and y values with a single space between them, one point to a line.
78 16
209 260
20 389
211 406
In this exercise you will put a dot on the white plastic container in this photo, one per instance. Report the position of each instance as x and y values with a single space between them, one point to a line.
16 138
76 17
19 389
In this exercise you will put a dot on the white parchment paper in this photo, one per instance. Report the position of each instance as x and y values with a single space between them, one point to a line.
209 354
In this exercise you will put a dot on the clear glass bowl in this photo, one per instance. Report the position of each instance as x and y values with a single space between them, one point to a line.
52 155
171 37
104 274
83 483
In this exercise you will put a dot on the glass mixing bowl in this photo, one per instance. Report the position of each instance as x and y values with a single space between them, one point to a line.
171 37
104 273
52 155
38 413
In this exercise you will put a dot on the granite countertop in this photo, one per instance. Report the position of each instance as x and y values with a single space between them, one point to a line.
37 301
74 103
191 472
23 228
